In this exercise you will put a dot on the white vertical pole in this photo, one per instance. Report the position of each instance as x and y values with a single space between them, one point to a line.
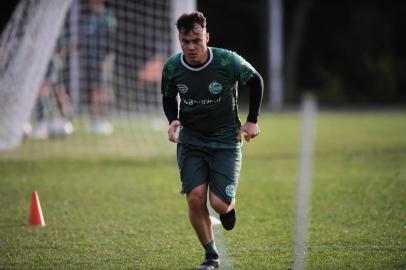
304 180
275 53
178 8
74 67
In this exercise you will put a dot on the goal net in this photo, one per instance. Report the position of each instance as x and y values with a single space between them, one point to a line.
82 77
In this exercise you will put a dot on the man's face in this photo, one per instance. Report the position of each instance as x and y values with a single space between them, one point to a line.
194 45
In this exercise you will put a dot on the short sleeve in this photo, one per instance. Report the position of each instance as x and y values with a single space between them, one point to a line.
243 70
167 87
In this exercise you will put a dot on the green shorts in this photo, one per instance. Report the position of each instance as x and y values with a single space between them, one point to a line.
219 167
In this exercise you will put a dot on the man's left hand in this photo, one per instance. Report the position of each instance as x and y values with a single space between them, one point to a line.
249 130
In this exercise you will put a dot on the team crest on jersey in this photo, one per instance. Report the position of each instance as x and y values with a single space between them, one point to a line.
182 88
215 88
230 191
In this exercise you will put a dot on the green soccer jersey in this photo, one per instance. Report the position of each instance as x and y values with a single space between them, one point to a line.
208 97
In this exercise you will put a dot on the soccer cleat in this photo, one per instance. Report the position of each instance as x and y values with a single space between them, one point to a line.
228 220
209 264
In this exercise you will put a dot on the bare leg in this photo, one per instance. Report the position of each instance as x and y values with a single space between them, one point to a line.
226 211
64 104
100 105
219 205
199 214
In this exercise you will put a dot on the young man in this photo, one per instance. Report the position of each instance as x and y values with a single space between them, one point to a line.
99 26
209 142
53 88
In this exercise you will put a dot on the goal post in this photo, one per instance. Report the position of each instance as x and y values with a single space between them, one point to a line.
99 63
178 8
26 46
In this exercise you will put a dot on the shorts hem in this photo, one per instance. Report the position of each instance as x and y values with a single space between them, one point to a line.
189 189
221 197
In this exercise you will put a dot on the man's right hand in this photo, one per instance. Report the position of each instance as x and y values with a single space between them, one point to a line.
172 131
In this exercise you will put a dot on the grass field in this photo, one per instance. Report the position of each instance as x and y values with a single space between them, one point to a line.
126 213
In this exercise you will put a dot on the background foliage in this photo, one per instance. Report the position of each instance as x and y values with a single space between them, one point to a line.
348 52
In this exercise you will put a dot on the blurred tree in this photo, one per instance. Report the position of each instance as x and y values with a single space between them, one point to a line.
240 26
298 20
347 51
352 52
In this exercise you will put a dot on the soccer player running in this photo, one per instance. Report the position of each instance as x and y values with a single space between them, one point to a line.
209 141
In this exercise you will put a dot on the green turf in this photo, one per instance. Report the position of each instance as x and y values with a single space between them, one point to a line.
135 136
126 213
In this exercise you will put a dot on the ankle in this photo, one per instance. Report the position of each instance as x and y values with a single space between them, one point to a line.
210 248
212 256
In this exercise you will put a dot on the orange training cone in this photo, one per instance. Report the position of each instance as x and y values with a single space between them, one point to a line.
36 218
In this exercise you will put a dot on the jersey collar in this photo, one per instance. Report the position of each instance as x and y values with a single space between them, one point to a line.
198 68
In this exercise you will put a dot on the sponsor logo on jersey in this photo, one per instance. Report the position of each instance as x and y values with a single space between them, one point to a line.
182 88
230 191
215 88
207 101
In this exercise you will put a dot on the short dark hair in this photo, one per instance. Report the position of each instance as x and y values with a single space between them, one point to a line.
187 21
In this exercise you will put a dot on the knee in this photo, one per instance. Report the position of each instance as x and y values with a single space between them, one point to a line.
196 201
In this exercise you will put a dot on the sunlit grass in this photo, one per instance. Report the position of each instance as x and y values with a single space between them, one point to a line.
115 211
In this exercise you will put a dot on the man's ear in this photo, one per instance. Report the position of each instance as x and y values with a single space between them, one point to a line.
207 37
